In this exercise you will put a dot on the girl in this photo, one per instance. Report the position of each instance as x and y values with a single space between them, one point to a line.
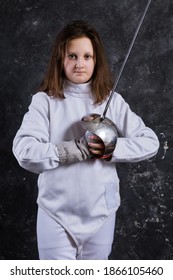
78 187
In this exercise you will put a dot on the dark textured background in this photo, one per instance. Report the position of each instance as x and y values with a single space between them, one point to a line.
144 227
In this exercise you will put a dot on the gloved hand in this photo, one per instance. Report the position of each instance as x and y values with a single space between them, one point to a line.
73 151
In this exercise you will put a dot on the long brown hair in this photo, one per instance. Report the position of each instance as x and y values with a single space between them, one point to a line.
102 82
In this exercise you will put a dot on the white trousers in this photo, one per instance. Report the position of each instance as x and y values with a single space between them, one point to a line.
55 243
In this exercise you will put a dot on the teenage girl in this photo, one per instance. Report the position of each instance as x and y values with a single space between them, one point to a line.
78 187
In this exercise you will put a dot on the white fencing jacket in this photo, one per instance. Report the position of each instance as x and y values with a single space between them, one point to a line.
83 195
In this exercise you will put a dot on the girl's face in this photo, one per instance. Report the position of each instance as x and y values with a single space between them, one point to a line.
79 60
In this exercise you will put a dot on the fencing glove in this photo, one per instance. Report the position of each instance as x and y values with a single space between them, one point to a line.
73 151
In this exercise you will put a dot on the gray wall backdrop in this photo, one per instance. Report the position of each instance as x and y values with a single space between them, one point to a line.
27 30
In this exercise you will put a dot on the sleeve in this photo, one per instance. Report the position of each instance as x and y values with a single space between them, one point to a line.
138 142
31 145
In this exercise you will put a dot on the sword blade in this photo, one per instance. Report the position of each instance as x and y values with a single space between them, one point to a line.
125 60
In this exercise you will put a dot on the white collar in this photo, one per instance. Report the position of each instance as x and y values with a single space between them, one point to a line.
77 89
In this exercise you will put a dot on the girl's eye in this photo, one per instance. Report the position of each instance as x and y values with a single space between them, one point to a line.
72 56
87 56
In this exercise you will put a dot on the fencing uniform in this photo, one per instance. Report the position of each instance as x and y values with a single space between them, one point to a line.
54 242
81 197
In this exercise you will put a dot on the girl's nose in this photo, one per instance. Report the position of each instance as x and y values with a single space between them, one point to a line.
79 63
